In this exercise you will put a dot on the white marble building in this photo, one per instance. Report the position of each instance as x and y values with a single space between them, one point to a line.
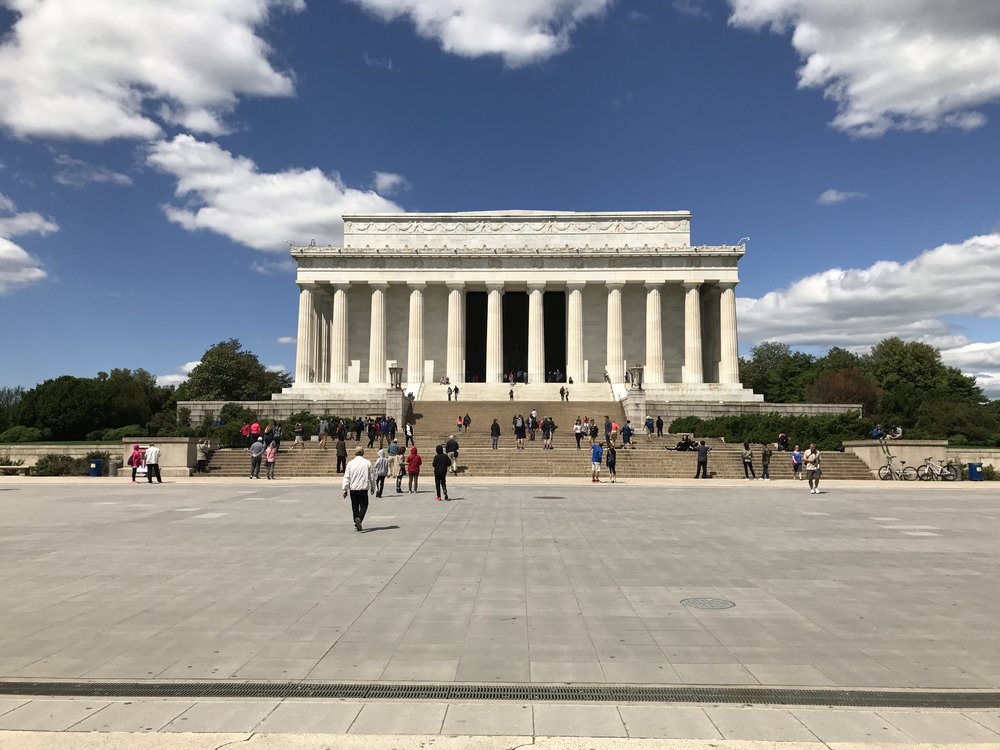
473 296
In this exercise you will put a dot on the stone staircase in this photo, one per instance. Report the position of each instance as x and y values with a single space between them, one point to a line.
435 420
533 392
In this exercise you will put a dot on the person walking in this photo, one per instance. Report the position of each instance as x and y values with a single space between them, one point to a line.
359 481
381 472
153 464
277 436
456 393
372 432
765 462
136 459
270 456
577 432
298 436
256 455
747 455
596 454
796 455
441 463
607 429
612 461
459 423
593 432
324 432
204 452
449 393
451 449
408 432
467 421
519 430
245 432
341 449
495 433
813 471
659 426
701 472
510 393
648 427
413 462
394 458
627 433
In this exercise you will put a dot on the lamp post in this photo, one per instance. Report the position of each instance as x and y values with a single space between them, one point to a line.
636 375
396 377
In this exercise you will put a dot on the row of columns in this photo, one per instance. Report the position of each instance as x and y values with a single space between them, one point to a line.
322 355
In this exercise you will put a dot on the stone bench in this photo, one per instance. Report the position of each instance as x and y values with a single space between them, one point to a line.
7 470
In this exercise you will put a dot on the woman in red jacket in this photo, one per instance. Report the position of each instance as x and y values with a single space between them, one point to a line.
413 462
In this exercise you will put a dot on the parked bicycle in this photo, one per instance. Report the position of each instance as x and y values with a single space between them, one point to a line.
892 470
939 470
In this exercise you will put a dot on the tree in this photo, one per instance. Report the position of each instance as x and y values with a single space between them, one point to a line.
848 386
778 373
228 373
10 397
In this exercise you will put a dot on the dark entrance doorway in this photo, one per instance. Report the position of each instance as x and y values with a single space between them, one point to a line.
554 306
475 336
515 332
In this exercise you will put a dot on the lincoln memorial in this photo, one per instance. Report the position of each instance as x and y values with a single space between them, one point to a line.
561 296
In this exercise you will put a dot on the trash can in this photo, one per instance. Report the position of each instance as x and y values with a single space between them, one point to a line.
113 466
96 467
975 472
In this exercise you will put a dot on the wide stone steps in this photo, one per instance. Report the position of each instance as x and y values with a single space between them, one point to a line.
533 392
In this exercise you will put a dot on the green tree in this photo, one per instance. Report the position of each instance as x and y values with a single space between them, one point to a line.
894 362
10 397
778 373
848 386
67 408
228 373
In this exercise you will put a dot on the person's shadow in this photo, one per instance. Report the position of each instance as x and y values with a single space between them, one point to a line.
378 528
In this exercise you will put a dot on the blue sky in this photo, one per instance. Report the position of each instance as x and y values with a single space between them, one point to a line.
157 160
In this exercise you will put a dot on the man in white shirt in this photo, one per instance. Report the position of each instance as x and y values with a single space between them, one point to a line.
359 480
153 463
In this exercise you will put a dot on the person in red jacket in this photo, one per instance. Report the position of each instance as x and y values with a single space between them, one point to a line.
413 462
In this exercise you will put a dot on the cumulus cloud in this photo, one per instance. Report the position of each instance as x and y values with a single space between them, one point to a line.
178 376
856 308
76 173
98 69
891 64
520 32
693 8
832 197
286 340
18 268
389 183
228 195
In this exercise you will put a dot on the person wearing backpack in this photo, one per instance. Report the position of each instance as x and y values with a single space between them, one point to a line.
765 462
747 454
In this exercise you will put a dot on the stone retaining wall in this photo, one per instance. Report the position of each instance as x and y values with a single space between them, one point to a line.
712 409
284 408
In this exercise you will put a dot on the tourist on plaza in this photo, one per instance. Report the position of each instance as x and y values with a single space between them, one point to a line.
782 441
458 423
607 429
245 432
495 433
613 437
394 452
519 429
256 455
659 426
578 432
153 464
341 449
136 459
648 427
277 436
359 481
340 430
323 432
254 432
204 454
270 457
298 436
796 462
383 431
796 456
456 393
701 472
747 456
381 472
596 454
532 425
593 432
449 393
441 463
765 461
562 393
813 471
413 462
612 461
451 448
268 434
408 432
511 394
372 432
467 421
548 428
627 433
567 392
359 427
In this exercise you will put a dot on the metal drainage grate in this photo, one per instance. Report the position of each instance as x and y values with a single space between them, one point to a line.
703 603
838 697
549 497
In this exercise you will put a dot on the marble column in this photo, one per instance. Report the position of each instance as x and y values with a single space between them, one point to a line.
377 373
729 365
692 372
653 366
536 332
338 335
455 368
304 362
616 365
574 333
415 350
321 341
494 333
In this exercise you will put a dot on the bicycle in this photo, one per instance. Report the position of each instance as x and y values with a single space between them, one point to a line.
891 471
930 471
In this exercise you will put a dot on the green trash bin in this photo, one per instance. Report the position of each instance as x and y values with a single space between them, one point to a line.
96 467
975 472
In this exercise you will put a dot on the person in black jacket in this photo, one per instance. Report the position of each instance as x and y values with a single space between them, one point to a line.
495 433
451 448
441 463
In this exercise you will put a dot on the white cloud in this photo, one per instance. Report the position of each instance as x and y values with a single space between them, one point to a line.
385 63
521 32
286 340
268 267
18 268
227 194
904 64
832 197
179 376
857 308
6 204
98 69
76 173
26 223
693 8
275 368
981 360
390 184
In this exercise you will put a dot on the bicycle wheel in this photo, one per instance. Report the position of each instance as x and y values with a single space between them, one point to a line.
884 472
925 473
909 473
950 473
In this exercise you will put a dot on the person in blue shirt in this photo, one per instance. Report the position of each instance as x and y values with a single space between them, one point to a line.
596 454
797 462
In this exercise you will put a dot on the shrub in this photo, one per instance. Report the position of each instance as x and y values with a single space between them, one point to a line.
6 460
990 474
117 433
310 425
20 434
56 465
828 431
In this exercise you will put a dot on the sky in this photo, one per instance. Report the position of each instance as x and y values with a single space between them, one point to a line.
156 159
